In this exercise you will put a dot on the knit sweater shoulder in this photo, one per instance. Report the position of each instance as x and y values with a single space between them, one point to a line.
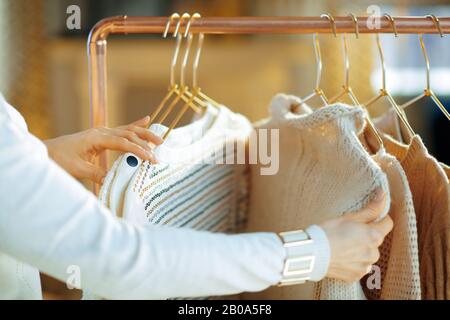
324 172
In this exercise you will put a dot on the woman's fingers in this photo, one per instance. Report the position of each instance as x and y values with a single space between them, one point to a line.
116 142
146 134
140 128
133 137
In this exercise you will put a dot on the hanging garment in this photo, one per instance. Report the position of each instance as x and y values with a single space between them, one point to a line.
198 185
430 190
397 276
390 124
192 186
116 181
324 172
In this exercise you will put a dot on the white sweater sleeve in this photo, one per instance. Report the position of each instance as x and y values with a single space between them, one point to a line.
50 221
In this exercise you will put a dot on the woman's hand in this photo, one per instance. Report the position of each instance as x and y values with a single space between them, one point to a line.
354 240
76 153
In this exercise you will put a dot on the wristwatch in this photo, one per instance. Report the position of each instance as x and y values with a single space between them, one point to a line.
300 257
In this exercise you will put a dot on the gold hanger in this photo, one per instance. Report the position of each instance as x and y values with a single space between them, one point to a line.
318 90
173 88
383 91
183 87
346 89
428 92
195 87
350 92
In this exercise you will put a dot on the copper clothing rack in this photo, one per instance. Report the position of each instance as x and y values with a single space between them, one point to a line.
97 42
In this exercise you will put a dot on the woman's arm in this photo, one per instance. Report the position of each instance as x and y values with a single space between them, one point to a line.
48 219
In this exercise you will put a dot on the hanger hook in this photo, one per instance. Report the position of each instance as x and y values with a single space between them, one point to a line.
332 22
392 22
436 22
346 59
177 46
177 28
169 22
201 38
188 25
355 23
189 37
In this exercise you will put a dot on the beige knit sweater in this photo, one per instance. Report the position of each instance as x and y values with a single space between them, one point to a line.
390 124
324 172
430 190
399 253
429 184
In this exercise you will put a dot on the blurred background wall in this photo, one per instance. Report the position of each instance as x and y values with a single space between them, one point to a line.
44 74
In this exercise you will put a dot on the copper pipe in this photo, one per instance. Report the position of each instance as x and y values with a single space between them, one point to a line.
97 44
250 25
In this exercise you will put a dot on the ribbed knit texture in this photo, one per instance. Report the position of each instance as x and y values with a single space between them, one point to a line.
399 253
198 193
203 197
429 186
324 172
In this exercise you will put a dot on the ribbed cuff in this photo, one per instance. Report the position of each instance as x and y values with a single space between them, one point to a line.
322 252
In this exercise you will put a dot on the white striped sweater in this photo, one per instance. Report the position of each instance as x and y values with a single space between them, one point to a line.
192 186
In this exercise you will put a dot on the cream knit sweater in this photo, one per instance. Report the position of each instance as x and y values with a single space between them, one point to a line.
399 253
324 172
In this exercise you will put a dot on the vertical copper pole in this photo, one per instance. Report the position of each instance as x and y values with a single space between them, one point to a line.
98 93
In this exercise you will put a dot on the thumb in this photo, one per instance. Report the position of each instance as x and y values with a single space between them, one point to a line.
92 172
372 211
384 226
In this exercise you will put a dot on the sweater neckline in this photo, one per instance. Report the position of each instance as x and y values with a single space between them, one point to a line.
186 142
282 105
